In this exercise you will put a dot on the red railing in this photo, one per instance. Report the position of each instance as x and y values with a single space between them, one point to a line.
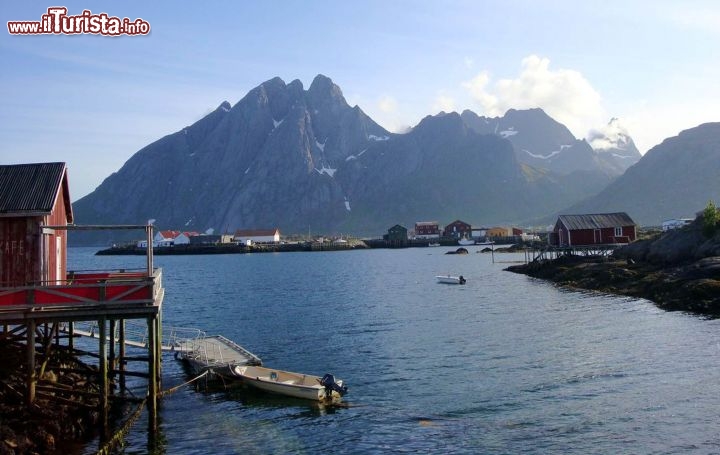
88 289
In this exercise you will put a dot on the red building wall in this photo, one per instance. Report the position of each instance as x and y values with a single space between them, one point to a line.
28 256
457 229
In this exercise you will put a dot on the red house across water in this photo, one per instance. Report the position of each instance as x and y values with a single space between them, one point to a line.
595 229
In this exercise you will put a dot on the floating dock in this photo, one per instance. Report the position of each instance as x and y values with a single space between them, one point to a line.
215 353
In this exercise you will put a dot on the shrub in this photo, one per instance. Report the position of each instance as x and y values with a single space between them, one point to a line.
711 219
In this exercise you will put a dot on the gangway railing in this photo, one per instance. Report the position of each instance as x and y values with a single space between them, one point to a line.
136 334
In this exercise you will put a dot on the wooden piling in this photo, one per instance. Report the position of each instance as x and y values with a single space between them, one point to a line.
30 349
102 348
152 374
111 354
122 355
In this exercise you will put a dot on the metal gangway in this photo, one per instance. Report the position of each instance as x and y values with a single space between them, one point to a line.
192 345
136 334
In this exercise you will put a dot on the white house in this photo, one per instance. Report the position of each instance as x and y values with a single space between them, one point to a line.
183 238
248 237
164 238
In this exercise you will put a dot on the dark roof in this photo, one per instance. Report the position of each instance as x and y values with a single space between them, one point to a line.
596 221
31 189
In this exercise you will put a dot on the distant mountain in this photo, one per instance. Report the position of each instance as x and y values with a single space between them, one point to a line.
305 160
674 179
544 143
614 146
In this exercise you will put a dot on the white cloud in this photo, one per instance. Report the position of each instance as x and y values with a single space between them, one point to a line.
650 124
608 137
564 94
444 103
387 104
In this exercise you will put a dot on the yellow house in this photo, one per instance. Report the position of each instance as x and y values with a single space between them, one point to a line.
499 231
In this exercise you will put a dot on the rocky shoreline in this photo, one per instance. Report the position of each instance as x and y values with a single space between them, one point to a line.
677 270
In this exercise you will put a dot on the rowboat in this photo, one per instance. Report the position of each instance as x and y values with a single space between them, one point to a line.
291 384
449 279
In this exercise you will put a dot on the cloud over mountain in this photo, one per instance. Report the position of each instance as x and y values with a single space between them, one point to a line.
564 94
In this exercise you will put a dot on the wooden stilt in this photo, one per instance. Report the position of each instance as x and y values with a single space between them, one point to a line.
31 378
71 336
102 342
122 354
152 375
111 354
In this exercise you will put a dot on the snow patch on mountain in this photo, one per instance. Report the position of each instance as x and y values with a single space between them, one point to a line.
372 137
508 132
326 170
547 157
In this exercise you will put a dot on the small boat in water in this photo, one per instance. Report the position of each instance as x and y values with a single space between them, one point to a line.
291 384
465 241
449 279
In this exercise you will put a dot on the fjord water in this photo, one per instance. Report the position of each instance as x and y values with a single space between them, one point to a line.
503 364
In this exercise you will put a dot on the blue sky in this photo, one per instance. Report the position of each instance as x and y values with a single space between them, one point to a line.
93 101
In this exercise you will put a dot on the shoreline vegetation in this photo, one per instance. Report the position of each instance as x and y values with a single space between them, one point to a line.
678 270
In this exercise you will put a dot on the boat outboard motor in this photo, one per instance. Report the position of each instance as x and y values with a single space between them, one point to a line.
328 381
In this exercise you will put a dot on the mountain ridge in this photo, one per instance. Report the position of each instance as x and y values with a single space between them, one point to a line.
299 159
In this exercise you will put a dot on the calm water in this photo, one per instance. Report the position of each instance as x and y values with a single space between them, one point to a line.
504 364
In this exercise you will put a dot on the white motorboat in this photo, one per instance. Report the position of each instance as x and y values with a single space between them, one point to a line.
450 279
466 242
291 384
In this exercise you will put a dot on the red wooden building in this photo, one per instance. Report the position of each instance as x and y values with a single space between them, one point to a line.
33 196
458 230
595 229
38 295
427 230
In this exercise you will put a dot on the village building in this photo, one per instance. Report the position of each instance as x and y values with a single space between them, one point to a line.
478 233
38 295
397 236
593 229
252 236
427 230
500 231
183 238
458 230
33 196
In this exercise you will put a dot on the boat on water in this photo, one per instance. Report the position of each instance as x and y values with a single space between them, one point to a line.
465 241
450 279
434 244
291 384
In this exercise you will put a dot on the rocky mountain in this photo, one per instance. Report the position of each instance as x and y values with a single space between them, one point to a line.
674 179
614 147
301 160
544 143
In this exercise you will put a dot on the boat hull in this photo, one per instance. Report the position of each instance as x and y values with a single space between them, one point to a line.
296 385
449 279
